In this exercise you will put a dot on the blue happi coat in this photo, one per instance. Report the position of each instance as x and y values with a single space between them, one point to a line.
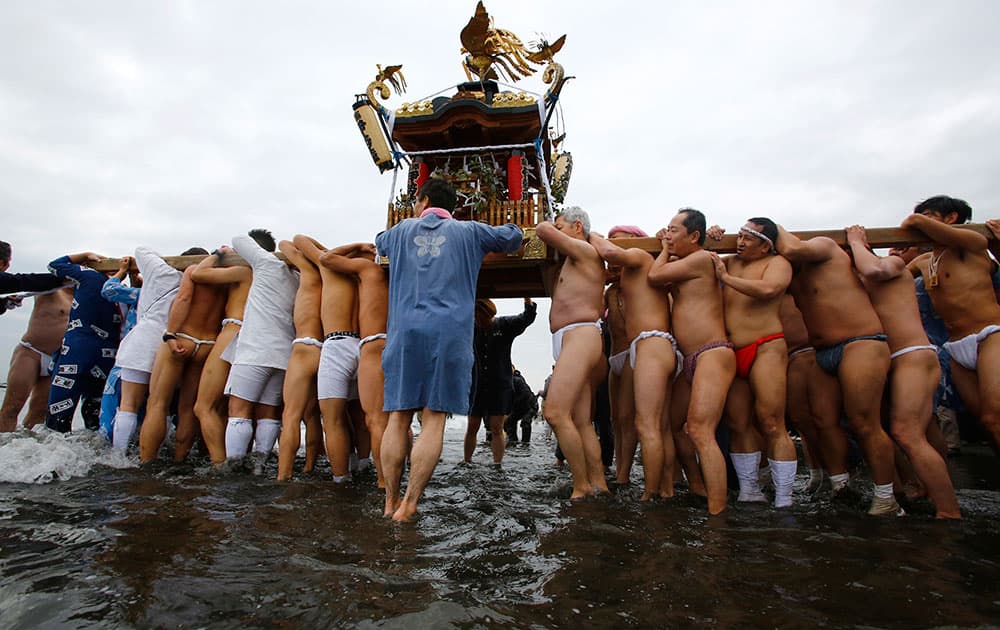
433 268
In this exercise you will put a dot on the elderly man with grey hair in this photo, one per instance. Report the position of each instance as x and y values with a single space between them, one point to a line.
577 348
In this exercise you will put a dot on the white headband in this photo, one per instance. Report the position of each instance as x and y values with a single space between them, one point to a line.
759 235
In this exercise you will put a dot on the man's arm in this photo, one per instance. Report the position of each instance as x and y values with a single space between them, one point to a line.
994 243
945 234
70 266
665 271
772 284
502 238
815 250
916 266
565 245
867 263
14 282
152 264
206 271
251 252
517 324
179 310
310 247
349 259
114 291
296 257
616 255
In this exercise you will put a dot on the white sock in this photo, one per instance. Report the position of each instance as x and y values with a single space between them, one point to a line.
839 481
124 428
815 473
764 475
746 465
884 491
266 436
341 479
783 476
364 463
239 432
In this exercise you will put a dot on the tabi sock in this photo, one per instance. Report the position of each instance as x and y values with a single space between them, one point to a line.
125 422
764 475
239 432
266 436
746 465
783 476
839 481
884 491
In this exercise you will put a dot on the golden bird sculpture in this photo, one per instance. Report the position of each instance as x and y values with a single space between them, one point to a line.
489 49
546 52
393 75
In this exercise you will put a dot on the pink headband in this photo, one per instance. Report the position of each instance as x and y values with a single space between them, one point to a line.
628 229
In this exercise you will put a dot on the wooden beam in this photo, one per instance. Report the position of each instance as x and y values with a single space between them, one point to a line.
512 276
877 238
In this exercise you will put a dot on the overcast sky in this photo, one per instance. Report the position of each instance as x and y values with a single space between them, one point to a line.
172 124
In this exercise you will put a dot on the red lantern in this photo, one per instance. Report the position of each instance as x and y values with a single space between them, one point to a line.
423 173
515 185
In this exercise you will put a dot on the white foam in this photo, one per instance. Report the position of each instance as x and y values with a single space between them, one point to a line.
42 456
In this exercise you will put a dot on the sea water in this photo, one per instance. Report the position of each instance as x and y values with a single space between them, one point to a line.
87 538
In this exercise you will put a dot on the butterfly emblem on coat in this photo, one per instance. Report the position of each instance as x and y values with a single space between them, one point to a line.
429 245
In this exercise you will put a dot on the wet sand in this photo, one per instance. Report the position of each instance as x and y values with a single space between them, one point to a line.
178 546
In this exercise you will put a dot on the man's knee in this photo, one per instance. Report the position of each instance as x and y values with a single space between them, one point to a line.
905 434
772 426
701 435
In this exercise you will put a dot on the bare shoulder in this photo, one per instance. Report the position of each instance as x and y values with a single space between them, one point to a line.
779 263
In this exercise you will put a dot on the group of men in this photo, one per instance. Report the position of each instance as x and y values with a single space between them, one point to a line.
785 328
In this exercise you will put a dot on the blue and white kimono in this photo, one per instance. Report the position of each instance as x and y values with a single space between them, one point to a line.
88 348
433 269
126 298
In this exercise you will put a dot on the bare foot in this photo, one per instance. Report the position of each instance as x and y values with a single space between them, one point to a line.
581 493
404 513
391 505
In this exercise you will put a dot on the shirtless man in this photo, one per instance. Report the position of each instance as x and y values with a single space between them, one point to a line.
958 277
29 363
337 383
577 347
299 392
755 280
358 259
914 372
211 406
192 328
620 388
258 373
801 375
851 349
652 357
699 325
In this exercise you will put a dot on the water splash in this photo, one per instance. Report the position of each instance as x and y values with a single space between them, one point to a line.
41 456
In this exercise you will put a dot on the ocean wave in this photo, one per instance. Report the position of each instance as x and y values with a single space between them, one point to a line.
41 456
